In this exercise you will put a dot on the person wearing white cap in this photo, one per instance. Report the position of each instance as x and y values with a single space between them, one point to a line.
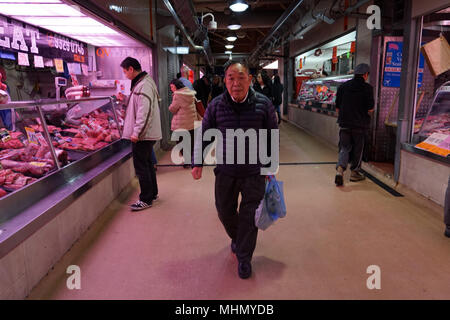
354 101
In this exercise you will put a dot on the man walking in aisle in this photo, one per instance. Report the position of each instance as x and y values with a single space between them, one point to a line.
143 127
185 78
240 107
354 101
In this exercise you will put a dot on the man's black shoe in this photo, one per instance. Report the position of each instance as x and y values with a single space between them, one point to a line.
233 247
339 180
244 270
447 232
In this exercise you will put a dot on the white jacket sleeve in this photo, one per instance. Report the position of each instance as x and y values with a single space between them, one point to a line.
143 112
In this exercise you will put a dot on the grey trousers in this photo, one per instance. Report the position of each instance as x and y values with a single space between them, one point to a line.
351 147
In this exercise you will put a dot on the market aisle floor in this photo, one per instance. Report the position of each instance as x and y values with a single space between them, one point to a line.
321 250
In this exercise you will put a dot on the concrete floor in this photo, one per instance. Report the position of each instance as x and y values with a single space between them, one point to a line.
178 249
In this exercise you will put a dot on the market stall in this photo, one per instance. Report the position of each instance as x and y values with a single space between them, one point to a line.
318 74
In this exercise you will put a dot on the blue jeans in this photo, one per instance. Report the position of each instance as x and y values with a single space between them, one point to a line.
154 161
277 108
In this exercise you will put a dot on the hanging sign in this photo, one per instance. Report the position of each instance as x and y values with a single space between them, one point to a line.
353 47
38 62
23 59
335 59
393 65
59 64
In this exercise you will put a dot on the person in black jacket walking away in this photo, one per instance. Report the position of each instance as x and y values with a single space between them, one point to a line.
240 107
203 88
277 90
354 101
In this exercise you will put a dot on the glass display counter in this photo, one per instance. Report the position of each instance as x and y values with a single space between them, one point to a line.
49 135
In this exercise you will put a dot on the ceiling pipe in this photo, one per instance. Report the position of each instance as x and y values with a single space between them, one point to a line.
292 8
180 24
313 20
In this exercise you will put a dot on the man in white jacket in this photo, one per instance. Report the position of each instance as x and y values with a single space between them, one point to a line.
143 127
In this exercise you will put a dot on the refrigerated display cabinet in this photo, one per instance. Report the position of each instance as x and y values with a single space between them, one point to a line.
437 119
49 136
321 92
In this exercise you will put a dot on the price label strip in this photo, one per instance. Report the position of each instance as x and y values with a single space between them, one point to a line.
437 143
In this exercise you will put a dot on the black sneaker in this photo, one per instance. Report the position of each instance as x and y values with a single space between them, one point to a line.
244 270
447 232
233 247
140 205
339 180
156 198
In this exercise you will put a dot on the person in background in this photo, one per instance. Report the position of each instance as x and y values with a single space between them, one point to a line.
277 90
203 88
354 101
184 111
143 127
5 115
185 77
447 210
217 87
178 75
240 107
263 85
154 160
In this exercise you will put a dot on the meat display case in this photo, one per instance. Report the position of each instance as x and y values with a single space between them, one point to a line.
321 92
437 119
49 136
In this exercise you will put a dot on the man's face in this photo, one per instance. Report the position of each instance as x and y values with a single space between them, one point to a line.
237 81
128 73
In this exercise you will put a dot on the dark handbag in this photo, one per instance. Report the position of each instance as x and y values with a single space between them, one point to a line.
200 108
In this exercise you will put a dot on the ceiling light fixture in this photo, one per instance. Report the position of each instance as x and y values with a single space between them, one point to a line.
231 37
238 5
234 24
228 52
229 46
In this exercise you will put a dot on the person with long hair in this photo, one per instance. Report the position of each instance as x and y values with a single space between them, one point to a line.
184 111
263 85
277 90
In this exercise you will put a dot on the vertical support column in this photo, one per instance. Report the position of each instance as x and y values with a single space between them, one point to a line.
408 82
288 77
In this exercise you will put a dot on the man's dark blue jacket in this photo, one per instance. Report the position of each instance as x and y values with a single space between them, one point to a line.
256 112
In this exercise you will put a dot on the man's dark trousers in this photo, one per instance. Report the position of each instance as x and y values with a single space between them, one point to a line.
447 205
145 170
239 225
351 147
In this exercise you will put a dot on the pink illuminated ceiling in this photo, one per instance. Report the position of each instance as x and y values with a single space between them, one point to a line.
69 20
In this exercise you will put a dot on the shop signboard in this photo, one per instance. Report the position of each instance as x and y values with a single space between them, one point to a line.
393 65
18 37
